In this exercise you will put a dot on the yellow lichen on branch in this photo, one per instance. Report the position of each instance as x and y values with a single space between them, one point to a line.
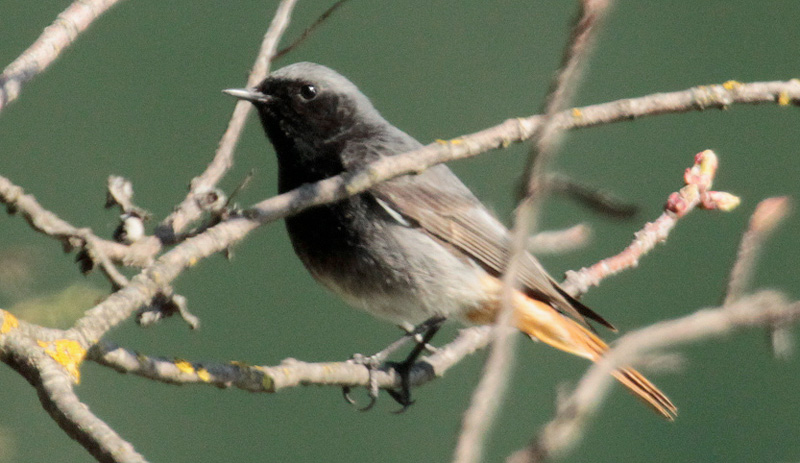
10 322
67 353
184 366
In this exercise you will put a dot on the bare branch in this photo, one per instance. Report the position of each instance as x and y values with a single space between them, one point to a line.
119 192
766 308
696 193
40 219
154 279
486 399
54 387
98 250
54 39
758 310
290 373
546 139
188 211
516 130
768 214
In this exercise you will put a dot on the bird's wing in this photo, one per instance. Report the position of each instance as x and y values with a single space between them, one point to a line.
439 203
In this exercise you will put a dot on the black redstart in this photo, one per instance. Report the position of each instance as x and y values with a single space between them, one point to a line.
414 247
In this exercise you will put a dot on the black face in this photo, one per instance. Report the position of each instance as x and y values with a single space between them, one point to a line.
305 113
307 122
314 116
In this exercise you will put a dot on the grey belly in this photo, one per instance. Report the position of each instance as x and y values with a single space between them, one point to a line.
400 274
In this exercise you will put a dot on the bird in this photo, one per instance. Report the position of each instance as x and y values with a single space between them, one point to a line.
419 246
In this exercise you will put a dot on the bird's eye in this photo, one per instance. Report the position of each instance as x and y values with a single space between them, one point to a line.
308 92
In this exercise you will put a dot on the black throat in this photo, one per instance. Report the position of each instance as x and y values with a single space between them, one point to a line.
324 237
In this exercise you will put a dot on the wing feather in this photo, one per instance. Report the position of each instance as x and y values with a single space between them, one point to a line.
439 203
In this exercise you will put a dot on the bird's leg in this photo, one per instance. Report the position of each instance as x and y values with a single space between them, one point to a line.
403 396
422 334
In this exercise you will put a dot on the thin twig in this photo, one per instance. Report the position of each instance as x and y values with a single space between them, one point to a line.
98 250
767 215
576 55
188 211
697 193
306 33
516 130
598 200
54 39
560 241
490 391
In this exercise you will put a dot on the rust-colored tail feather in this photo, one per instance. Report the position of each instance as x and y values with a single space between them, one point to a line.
647 392
540 321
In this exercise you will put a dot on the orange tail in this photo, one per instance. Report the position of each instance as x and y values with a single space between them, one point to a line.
542 322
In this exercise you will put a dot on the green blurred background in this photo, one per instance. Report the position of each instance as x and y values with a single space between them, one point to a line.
139 95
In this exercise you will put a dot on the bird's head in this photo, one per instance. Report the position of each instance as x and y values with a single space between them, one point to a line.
306 104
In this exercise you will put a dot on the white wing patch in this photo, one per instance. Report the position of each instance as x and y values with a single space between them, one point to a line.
393 213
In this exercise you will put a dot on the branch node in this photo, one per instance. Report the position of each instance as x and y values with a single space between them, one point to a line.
119 192
164 305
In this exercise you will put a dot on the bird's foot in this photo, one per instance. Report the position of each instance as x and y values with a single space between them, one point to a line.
372 364
421 334
402 395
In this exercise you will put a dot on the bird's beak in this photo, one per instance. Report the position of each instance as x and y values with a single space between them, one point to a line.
250 95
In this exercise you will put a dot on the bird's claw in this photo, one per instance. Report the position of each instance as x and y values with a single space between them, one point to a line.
372 363
400 398
346 394
421 334
403 395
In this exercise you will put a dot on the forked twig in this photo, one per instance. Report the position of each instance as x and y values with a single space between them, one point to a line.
697 193
188 210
